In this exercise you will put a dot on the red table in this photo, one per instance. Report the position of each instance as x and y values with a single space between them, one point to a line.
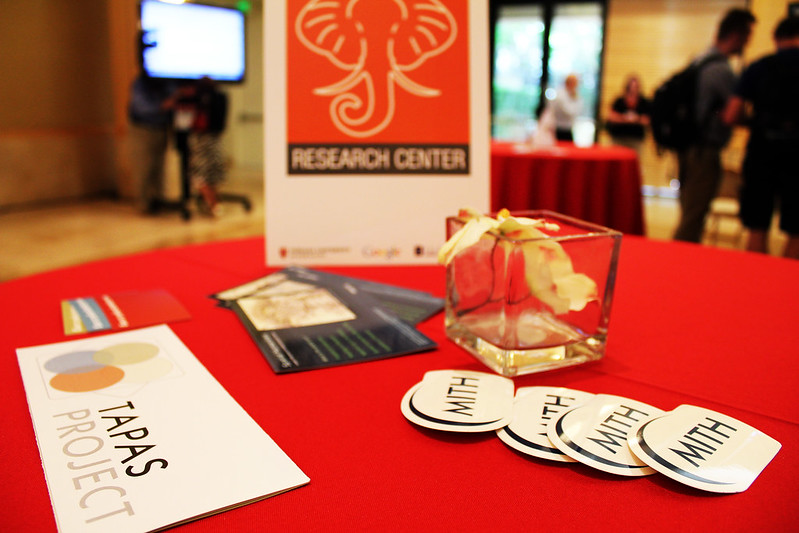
704 326
600 184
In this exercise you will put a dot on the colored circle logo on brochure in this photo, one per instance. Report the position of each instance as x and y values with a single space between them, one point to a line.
134 363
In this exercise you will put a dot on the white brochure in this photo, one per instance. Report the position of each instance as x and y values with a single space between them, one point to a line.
136 435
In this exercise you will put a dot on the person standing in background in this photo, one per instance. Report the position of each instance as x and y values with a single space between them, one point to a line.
149 116
700 164
629 116
770 172
201 111
566 107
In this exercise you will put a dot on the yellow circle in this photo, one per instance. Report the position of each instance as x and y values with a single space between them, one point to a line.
126 354
147 371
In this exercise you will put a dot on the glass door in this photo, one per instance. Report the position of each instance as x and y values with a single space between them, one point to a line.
536 45
575 44
518 68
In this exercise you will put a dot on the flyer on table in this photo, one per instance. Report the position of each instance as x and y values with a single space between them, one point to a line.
120 310
377 127
136 435
303 319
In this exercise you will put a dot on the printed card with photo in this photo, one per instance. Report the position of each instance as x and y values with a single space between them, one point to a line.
411 306
302 319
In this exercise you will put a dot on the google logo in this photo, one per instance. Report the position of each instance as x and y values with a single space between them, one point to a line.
388 253
92 370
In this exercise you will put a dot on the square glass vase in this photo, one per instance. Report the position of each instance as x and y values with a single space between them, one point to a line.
529 305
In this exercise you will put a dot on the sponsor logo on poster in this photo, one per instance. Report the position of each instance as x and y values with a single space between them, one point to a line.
313 252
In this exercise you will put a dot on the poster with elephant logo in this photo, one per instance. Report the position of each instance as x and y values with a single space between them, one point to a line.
376 127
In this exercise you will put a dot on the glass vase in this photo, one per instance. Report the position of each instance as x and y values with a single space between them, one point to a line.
510 302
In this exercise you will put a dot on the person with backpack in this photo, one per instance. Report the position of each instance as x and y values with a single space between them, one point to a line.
700 162
770 173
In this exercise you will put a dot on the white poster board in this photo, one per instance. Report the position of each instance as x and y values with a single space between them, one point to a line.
377 127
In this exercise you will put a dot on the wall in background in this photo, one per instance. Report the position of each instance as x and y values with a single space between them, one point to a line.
56 111
769 13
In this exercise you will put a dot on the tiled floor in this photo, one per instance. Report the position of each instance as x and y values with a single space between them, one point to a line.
61 235
46 238
723 228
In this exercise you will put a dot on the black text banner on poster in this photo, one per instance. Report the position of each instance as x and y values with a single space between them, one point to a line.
378 159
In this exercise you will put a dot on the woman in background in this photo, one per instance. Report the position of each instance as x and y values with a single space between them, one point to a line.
629 116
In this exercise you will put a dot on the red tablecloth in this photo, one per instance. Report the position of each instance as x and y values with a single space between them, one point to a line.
689 324
600 184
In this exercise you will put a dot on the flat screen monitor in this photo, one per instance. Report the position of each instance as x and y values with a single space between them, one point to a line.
190 41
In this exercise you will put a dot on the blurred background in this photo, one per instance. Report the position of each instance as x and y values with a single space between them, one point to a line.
67 68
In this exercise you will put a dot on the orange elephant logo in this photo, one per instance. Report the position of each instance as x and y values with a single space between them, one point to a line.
377 44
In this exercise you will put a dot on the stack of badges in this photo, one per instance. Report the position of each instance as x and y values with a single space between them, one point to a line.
694 446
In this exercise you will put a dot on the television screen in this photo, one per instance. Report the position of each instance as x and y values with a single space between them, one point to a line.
190 41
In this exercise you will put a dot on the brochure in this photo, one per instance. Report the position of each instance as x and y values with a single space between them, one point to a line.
409 305
120 310
136 435
303 319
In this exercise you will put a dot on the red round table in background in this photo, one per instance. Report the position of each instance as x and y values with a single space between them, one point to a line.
599 184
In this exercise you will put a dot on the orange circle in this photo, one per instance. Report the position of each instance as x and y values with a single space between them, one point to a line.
90 380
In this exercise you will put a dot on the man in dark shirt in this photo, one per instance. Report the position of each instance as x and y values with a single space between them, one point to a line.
149 125
700 163
770 173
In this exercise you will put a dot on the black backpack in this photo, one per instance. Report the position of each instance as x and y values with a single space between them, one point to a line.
672 115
